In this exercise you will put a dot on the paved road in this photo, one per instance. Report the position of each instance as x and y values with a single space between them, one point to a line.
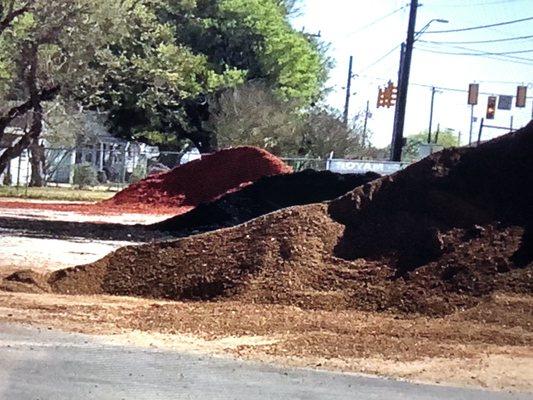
41 364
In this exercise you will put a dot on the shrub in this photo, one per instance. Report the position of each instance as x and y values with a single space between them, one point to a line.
85 175
139 173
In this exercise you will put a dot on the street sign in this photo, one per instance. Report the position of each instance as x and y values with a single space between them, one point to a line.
473 92
521 92
505 102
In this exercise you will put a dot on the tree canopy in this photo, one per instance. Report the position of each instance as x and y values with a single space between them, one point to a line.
252 114
45 48
172 55
150 65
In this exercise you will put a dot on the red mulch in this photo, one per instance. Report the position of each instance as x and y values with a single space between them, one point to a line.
204 180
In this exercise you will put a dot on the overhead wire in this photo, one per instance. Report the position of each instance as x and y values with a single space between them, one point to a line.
480 26
488 3
478 41
381 58
377 20
505 58
487 53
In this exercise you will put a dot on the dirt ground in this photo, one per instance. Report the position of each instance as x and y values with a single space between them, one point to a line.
464 349
490 345
48 240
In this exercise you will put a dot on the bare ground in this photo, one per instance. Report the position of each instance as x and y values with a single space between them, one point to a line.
48 240
464 349
490 345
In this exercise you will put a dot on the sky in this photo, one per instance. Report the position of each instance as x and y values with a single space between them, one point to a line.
372 32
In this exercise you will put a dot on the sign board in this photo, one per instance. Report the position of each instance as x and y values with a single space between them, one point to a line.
473 92
505 102
361 166
521 93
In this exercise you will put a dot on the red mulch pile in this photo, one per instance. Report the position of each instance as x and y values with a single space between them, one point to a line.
203 180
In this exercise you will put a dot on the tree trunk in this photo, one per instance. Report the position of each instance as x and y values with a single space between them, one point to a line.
30 55
204 141
37 160
24 142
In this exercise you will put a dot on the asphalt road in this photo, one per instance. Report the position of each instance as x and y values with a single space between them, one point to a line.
43 364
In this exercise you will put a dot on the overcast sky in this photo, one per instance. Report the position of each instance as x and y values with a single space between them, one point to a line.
348 26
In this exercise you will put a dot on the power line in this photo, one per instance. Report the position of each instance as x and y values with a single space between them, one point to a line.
384 79
377 20
485 53
511 59
475 4
479 41
481 26
446 89
381 58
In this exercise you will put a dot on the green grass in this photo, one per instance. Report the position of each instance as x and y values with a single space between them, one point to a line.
55 193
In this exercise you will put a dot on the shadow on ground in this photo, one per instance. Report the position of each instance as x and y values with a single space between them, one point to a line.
46 229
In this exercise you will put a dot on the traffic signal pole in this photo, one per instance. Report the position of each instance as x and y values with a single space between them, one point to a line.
403 84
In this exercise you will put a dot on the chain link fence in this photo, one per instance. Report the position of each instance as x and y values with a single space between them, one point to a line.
118 167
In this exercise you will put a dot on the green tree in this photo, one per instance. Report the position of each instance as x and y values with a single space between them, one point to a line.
172 55
252 114
45 48
446 138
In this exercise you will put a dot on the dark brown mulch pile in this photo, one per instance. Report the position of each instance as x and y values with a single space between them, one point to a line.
403 214
286 258
268 194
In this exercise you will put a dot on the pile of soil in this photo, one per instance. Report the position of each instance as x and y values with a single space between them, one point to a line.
202 180
268 194
287 258
439 236
404 215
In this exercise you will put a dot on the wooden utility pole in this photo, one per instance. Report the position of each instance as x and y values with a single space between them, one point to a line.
366 121
348 93
431 113
403 84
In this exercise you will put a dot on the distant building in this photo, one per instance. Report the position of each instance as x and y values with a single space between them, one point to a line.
114 159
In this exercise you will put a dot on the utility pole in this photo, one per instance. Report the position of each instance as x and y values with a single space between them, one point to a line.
366 121
471 124
403 84
348 93
431 113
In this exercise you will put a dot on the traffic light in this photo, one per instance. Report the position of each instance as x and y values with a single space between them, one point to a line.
521 92
491 107
387 96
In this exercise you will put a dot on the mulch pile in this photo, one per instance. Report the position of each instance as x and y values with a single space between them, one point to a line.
202 180
181 189
439 236
268 194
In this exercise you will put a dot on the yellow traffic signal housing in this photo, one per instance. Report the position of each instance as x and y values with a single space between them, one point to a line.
387 96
